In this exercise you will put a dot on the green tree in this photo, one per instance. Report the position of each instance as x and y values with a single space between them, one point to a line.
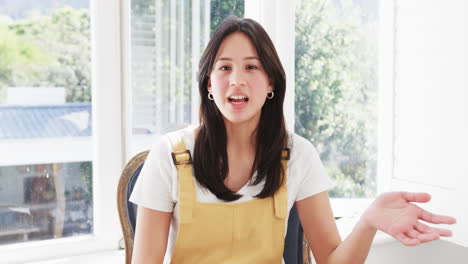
64 37
336 92
19 58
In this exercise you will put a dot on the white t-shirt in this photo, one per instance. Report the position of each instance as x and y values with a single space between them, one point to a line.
157 184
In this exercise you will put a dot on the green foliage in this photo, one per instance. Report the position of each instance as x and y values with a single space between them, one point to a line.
220 9
59 53
18 58
86 176
335 92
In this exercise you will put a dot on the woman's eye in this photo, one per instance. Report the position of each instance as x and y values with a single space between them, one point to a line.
251 67
225 68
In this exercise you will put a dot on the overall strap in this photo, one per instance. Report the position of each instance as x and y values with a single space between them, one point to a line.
281 196
183 161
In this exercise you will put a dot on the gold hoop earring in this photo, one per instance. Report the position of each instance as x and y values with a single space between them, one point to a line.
211 98
270 96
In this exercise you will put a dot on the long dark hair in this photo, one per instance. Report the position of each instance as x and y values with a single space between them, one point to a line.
210 155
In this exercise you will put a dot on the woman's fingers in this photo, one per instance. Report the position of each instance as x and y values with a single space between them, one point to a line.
423 214
435 218
419 232
423 228
413 233
416 197
426 237
444 232
407 240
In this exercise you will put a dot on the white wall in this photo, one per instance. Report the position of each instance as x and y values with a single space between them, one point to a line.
430 119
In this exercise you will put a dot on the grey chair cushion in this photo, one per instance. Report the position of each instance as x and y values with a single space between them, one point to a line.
131 207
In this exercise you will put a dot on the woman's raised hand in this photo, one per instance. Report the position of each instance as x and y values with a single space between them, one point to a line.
395 214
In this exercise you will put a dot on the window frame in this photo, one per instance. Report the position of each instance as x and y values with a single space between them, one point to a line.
107 141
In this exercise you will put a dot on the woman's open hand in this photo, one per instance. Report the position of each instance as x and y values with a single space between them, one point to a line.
394 214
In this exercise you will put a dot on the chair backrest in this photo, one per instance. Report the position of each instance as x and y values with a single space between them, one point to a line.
296 248
128 210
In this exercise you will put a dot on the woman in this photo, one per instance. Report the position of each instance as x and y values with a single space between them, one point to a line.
248 172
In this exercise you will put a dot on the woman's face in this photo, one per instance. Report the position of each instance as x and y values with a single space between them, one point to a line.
238 81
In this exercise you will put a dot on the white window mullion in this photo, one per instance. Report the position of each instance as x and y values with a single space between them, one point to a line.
172 63
158 64
206 22
195 57
127 99
181 62
386 96
107 118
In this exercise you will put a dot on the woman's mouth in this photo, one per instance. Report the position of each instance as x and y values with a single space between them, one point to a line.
238 102
238 99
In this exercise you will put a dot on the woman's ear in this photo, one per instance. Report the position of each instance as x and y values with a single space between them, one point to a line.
209 85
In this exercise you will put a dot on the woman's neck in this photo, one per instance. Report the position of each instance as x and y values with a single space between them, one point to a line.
241 137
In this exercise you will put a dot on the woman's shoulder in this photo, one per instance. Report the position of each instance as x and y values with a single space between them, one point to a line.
186 131
296 141
300 146
164 142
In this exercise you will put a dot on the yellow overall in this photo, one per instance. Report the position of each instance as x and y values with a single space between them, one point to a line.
233 233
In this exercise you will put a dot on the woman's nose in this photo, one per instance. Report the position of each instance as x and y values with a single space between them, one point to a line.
237 79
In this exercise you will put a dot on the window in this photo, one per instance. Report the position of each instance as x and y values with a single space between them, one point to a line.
46 179
99 157
167 39
336 89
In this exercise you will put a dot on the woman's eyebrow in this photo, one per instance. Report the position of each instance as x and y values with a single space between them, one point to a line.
224 59
230 59
251 58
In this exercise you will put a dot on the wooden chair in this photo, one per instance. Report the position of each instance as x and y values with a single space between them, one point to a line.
296 249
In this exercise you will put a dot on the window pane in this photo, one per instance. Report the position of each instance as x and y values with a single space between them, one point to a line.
167 39
44 201
45 120
161 40
336 89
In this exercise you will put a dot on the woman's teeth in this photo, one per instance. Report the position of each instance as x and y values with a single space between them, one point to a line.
238 99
